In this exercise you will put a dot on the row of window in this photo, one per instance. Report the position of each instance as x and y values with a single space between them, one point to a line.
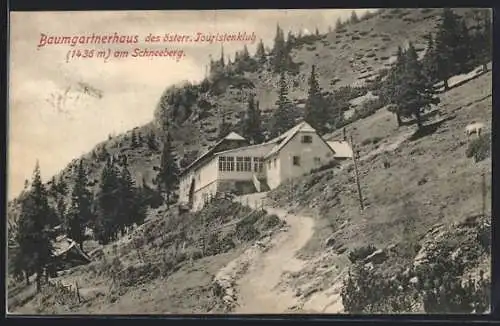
243 164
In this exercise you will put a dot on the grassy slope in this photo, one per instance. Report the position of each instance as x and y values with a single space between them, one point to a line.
451 191
430 182
161 265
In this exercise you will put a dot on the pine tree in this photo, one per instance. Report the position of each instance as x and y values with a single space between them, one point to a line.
483 39
464 50
62 186
280 57
260 54
393 85
80 210
133 140
449 50
354 17
168 176
252 128
224 126
429 61
315 108
414 92
107 201
290 42
316 32
338 24
282 119
151 140
127 213
34 239
245 55
221 60
53 188
61 189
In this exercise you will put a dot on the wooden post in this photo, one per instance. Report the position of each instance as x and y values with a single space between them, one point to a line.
483 177
78 292
204 235
354 158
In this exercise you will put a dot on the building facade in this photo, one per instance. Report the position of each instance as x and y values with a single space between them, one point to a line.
234 166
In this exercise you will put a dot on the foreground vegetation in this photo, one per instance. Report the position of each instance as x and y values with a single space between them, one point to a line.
153 257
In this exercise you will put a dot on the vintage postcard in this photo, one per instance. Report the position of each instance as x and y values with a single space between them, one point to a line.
250 161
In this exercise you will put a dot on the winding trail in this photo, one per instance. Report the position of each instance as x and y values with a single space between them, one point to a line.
257 290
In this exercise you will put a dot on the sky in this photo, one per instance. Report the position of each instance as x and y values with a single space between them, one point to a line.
60 109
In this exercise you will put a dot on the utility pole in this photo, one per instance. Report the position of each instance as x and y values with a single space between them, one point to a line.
354 159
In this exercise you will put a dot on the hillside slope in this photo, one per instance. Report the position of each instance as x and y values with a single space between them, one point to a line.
167 265
430 188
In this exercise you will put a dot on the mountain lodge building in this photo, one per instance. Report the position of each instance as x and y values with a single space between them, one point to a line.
233 165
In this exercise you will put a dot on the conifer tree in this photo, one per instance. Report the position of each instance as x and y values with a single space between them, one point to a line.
127 210
464 50
315 108
429 62
53 188
61 189
168 176
413 90
279 52
34 239
152 144
224 126
354 17
221 60
80 210
260 54
338 24
290 42
133 140
282 119
451 54
107 201
483 39
393 86
245 55
252 124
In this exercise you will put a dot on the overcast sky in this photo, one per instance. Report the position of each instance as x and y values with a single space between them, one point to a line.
39 128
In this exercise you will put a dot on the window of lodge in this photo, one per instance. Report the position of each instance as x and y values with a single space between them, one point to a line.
296 160
247 164
226 163
258 164
239 164
307 139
